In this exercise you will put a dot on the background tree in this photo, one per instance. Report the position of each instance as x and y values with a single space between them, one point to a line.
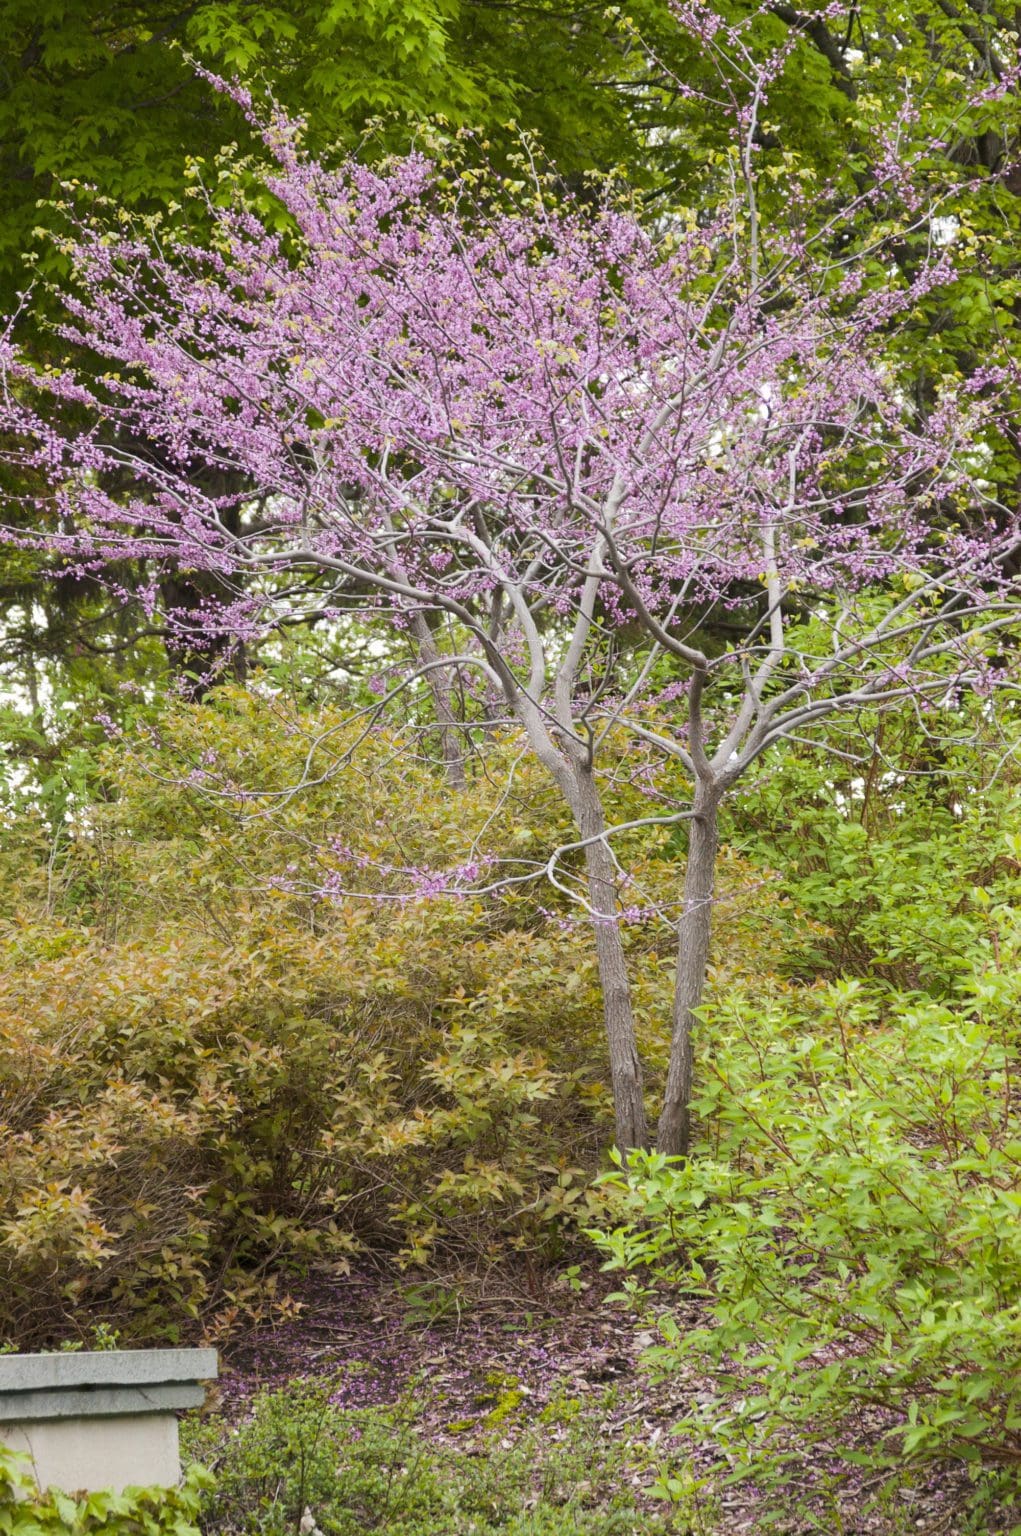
103 93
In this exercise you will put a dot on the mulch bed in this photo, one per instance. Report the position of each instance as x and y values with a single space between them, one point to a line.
373 1336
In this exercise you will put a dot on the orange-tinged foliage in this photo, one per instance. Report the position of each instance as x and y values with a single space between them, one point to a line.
206 1081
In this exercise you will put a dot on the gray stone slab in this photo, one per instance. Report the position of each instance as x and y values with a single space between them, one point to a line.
82 1454
105 1368
98 1402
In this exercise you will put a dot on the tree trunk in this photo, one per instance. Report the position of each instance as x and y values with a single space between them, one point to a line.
693 932
451 737
625 1064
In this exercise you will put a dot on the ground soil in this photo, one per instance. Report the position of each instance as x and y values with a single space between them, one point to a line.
464 1351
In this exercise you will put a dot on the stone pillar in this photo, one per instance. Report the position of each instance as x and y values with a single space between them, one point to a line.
101 1419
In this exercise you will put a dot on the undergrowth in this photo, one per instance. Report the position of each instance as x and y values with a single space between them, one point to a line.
300 1462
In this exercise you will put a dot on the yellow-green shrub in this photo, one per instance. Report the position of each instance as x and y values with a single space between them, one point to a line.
207 1080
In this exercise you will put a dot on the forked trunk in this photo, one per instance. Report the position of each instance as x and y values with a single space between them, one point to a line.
625 1064
693 933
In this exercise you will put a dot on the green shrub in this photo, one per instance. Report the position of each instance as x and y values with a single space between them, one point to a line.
134 1512
892 856
852 1219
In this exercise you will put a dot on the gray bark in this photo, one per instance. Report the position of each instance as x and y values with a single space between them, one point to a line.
448 725
694 929
626 1076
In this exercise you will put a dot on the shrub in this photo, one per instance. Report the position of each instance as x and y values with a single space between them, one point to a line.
217 1083
214 1074
134 1512
890 857
852 1221
209 1081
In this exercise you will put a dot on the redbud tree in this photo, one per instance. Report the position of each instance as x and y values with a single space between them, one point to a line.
663 485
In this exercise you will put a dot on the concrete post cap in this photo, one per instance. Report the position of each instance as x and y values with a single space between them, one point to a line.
103 1382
